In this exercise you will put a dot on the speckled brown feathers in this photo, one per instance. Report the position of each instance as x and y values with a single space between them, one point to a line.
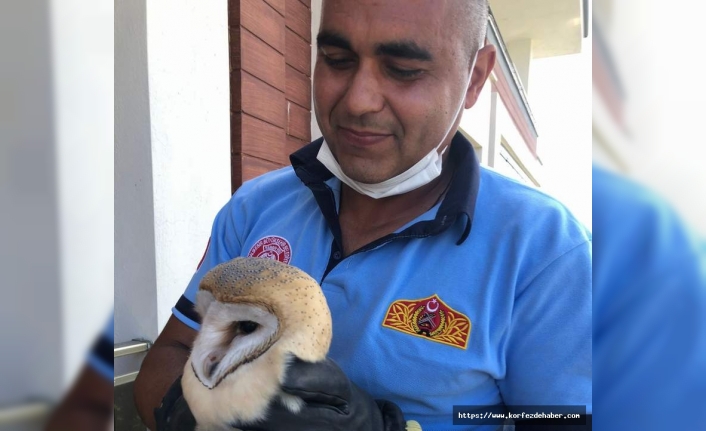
290 293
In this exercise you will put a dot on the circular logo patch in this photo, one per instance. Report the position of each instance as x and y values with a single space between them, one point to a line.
272 247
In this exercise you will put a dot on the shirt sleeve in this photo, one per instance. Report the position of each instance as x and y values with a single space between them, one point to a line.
650 312
100 357
223 245
548 349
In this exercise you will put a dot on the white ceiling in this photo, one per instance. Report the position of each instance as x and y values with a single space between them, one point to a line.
555 26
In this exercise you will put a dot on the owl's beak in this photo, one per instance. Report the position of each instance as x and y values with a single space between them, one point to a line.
210 364
212 369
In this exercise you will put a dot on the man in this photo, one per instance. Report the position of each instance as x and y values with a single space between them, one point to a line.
451 286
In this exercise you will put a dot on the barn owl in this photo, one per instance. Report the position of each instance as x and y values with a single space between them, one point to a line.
256 313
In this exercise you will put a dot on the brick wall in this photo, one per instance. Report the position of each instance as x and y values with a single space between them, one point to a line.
270 84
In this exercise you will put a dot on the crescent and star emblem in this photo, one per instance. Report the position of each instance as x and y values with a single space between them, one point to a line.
430 318
433 301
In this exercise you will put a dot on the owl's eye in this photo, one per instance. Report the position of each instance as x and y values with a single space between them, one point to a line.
248 326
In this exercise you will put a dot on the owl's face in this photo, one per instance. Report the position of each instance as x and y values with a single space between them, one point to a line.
232 334
256 315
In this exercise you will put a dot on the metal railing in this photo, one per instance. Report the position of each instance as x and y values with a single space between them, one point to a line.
24 413
37 410
129 348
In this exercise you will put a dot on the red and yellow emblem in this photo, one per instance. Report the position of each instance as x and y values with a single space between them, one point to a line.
429 318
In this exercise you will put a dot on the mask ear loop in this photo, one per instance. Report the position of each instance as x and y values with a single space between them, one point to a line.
460 106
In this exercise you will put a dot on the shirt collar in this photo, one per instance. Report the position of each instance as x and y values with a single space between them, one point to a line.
460 200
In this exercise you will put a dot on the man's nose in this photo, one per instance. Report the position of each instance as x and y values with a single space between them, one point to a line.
364 94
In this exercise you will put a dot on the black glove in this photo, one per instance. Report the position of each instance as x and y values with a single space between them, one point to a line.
332 403
174 413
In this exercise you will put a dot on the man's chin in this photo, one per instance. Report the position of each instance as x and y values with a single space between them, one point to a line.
365 169
363 176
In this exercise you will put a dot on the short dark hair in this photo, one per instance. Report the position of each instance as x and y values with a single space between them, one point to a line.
475 24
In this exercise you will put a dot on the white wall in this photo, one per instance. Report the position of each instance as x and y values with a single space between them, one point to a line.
31 326
172 154
83 106
187 45
135 268
55 185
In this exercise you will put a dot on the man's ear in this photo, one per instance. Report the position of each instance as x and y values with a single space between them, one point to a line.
485 61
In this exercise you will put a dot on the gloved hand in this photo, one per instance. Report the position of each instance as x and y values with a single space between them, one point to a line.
174 413
332 403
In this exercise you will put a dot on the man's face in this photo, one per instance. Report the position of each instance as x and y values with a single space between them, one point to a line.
390 78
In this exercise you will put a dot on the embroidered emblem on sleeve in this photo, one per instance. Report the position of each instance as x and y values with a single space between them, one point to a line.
272 247
429 318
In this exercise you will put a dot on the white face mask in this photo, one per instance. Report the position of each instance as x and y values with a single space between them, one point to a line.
422 173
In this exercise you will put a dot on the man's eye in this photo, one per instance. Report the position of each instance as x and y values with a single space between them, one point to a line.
404 73
338 63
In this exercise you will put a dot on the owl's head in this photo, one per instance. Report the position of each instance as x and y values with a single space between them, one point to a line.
254 307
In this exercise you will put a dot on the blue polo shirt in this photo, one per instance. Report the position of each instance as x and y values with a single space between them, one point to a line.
649 321
485 299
